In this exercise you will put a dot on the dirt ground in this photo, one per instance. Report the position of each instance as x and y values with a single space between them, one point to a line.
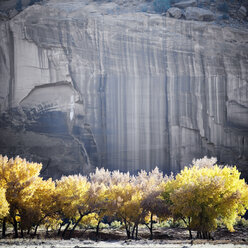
163 237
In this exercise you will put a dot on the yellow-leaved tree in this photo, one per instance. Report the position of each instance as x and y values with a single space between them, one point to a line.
204 193
40 206
100 181
125 198
73 200
18 177
153 206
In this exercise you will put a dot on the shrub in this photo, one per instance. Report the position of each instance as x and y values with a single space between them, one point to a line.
162 224
115 224
103 226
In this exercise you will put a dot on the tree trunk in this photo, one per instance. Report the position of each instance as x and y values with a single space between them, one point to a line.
15 227
190 234
136 233
97 230
75 225
22 234
151 227
134 226
66 228
47 230
79 219
127 229
60 228
35 230
4 228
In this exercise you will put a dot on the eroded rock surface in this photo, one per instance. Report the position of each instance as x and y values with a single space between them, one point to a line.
174 12
199 14
84 85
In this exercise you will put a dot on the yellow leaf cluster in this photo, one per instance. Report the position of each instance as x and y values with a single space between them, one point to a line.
202 195
72 195
18 177
4 206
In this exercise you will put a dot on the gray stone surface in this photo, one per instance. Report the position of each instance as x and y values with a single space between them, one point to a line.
174 12
12 13
185 4
81 89
199 14
242 12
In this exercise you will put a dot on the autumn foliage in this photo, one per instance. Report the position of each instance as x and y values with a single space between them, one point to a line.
202 195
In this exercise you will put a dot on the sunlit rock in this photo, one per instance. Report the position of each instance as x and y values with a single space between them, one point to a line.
86 85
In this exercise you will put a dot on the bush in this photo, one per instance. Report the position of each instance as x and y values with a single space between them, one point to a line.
103 226
115 224
161 6
161 224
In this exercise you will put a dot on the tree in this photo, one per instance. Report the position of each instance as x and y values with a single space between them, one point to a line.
124 199
41 205
152 204
73 199
204 193
100 181
18 177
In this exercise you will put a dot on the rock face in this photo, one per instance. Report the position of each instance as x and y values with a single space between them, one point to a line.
185 4
127 91
198 14
242 12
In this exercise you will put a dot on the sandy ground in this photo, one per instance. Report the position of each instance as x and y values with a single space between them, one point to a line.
75 243
163 237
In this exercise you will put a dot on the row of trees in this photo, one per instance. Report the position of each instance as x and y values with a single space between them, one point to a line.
201 195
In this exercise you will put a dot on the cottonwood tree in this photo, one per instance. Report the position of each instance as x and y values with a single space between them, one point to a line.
124 199
73 200
153 206
204 193
100 181
18 177
40 206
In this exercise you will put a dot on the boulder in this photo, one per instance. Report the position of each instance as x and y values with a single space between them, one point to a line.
174 12
185 4
199 14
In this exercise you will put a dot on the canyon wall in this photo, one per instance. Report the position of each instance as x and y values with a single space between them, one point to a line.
84 86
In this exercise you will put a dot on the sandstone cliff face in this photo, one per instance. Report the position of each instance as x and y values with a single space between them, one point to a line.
83 85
